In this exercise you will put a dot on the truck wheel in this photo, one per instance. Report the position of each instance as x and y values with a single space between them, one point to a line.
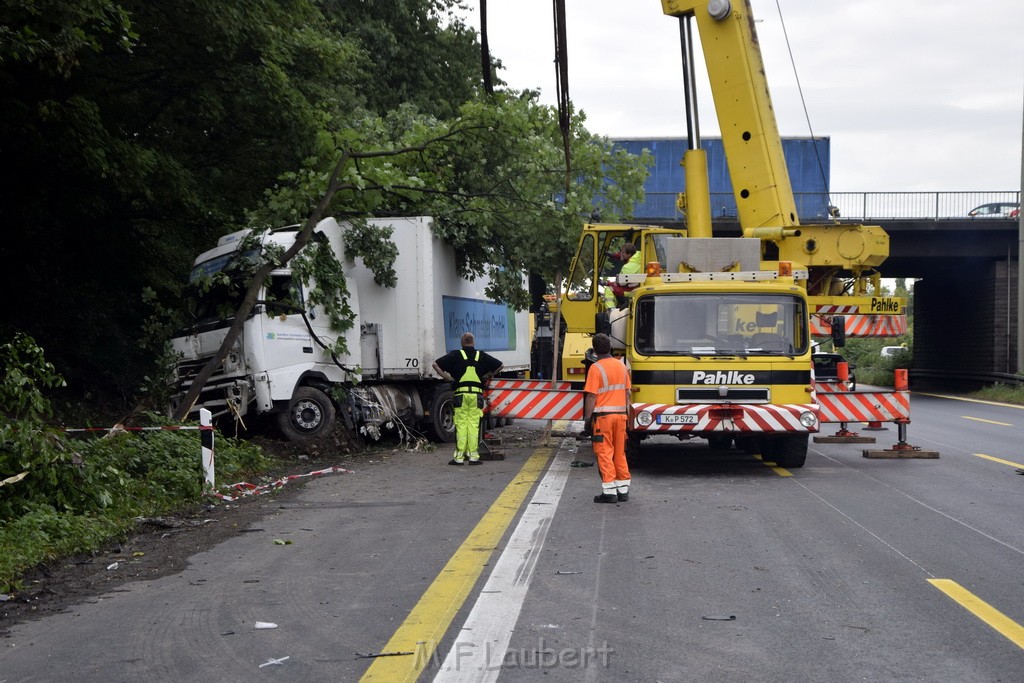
792 451
720 442
310 414
441 423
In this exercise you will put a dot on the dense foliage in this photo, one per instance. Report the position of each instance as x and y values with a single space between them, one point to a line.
65 495
135 133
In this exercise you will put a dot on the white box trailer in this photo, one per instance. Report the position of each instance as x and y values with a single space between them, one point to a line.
279 365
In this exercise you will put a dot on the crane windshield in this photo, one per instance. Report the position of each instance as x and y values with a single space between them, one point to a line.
709 324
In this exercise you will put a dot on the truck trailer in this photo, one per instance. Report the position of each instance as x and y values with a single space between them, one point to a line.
284 364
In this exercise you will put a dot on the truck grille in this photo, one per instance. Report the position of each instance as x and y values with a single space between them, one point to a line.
723 394
215 394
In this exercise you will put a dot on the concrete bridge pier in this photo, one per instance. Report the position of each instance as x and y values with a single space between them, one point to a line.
965 324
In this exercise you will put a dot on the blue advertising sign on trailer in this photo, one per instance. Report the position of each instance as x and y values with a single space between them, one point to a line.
493 325
807 160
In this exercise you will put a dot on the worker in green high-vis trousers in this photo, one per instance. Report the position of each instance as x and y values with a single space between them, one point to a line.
473 368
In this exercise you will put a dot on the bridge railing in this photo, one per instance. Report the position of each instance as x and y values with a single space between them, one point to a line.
911 205
864 206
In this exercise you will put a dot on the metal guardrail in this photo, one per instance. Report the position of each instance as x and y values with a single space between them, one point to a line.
951 376
863 206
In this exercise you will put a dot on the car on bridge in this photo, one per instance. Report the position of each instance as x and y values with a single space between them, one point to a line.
826 369
996 210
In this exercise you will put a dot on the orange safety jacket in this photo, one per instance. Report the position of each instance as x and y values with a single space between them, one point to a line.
608 380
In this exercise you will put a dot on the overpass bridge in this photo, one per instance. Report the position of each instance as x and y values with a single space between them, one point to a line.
965 297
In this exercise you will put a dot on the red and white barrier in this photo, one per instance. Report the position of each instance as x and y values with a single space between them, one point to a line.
830 387
534 400
244 488
205 428
859 325
719 417
863 406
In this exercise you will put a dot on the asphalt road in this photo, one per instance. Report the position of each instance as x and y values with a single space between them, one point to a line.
720 567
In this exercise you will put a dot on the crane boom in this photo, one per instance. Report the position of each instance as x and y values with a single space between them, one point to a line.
750 133
757 166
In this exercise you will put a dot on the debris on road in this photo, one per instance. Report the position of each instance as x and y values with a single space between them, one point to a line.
244 488
265 624
731 617
270 662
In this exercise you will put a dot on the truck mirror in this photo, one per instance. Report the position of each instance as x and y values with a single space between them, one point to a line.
602 323
838 331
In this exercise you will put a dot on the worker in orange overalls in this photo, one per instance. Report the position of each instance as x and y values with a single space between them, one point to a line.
606 410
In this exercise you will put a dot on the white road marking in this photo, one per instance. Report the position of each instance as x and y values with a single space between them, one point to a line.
480 647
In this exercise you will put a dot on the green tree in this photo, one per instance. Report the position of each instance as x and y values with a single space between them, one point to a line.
133 131
491 178
414 52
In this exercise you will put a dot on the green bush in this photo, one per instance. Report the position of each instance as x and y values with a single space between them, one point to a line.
61 495
114 480
1001 393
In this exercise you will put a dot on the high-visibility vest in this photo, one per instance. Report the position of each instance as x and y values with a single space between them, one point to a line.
634 265
613 394
470 380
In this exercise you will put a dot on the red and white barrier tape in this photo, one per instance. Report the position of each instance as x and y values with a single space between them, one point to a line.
244 488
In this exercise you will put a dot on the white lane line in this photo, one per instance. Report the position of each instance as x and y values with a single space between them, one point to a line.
915 500
480 647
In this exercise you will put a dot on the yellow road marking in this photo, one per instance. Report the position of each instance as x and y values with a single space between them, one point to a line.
991 422
426 624
999 460
781 471
1006 626
971 400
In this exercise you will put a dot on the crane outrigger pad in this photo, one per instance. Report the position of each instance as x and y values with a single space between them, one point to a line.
893 453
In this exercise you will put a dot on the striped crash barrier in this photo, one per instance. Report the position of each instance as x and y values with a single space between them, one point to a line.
534 399
863 406
858 325
830 387
716 417
542 400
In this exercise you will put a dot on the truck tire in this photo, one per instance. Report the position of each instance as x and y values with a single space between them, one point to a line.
441 422
791 451
310 414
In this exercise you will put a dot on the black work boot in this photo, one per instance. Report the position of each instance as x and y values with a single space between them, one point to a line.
623 497
606 498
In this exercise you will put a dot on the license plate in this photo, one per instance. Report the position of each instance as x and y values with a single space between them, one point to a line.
677 419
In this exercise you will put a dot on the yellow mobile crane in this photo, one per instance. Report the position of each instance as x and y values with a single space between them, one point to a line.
717 331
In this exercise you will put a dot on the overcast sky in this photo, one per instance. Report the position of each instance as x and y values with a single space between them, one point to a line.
915 95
